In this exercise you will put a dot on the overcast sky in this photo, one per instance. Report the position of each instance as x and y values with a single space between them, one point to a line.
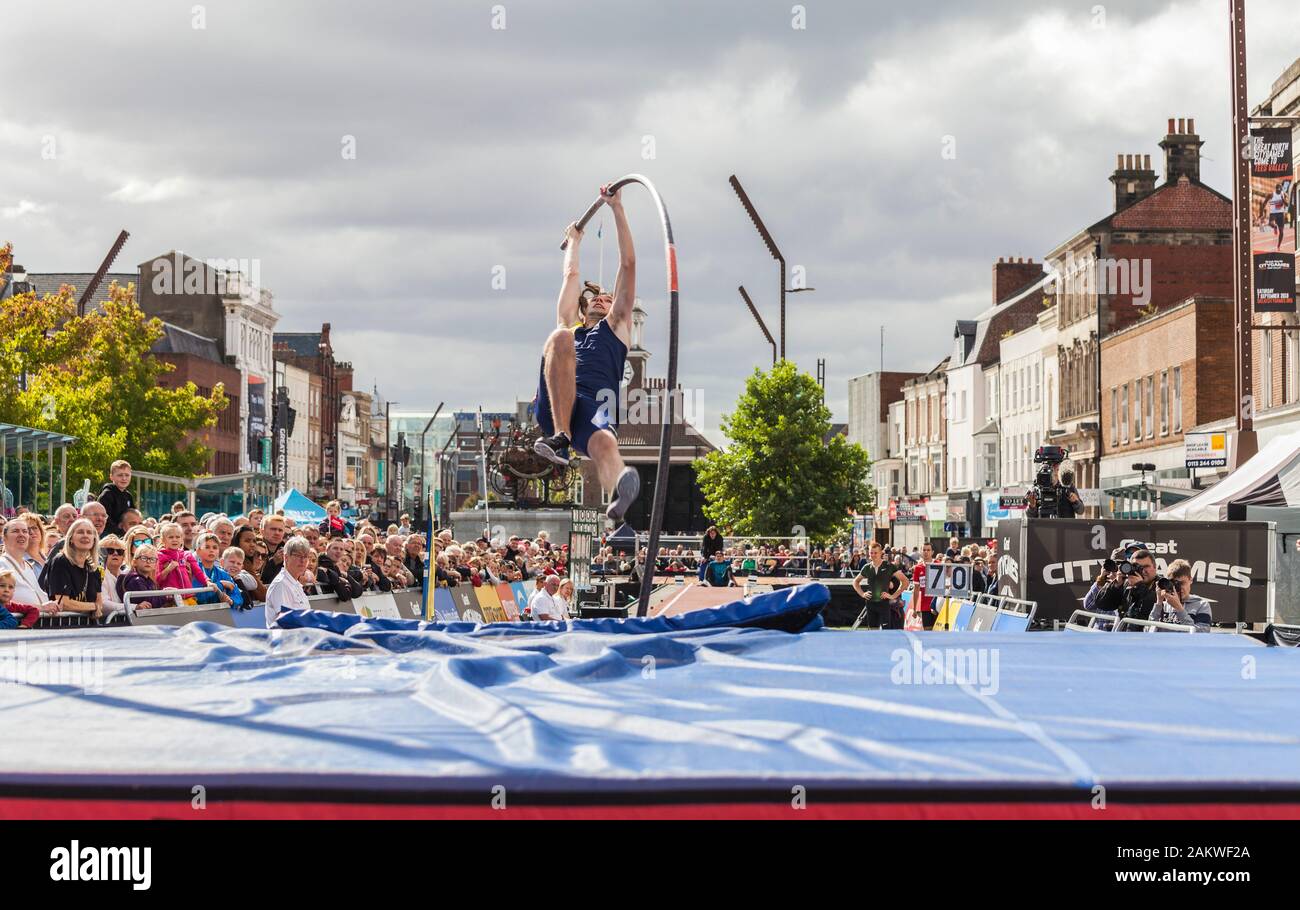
475 145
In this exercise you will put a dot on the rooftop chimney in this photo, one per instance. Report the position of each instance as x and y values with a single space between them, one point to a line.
1182 151
1133 179
1013 274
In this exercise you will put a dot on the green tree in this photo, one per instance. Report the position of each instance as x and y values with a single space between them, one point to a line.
93 377
779 470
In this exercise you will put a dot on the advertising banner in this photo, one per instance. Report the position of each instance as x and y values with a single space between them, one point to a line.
1272 210
1205 450
467 603
1055 561
507 595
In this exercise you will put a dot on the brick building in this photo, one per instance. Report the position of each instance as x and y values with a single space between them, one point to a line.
1166 373
1164 243
198 360
330 378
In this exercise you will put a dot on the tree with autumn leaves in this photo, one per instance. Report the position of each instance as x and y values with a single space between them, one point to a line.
92 376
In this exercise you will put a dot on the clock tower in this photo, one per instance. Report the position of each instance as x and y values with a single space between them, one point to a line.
634 374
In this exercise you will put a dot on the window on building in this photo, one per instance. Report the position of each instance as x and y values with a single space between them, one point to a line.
1151 406
1114 417
1290 349
1137 410
1178 399
1268 370
1123 415
1164 403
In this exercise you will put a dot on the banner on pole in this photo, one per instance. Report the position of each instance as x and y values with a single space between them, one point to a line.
1272 213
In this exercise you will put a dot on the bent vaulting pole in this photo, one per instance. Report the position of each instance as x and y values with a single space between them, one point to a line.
670 386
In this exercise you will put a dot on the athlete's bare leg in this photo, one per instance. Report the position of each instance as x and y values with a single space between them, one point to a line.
623 482
603 450
561 383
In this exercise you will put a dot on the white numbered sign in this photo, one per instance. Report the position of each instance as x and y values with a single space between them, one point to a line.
944 580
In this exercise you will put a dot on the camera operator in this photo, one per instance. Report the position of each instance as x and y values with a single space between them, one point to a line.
1064 494
1140 591
1176 603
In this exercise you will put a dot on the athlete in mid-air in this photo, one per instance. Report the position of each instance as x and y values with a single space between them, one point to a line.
582 367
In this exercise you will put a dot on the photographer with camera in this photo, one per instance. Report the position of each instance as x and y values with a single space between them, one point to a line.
1175 602
1053 494
1107 592
1141 584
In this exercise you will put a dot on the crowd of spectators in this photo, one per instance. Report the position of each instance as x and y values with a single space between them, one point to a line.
87 560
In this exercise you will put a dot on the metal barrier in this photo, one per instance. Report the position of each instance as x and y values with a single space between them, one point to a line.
1151 625
1091 621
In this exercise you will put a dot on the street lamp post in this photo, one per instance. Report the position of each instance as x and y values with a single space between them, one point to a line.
424 478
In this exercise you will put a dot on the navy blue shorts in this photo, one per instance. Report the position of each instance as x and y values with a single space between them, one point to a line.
588 416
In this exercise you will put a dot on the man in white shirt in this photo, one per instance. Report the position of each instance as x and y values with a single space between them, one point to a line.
544 605
285 591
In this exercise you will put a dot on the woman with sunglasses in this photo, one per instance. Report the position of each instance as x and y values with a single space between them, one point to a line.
113 552
135 538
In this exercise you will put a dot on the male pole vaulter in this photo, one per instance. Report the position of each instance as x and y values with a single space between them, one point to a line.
582 367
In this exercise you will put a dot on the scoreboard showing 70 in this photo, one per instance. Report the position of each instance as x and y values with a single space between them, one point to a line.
947 579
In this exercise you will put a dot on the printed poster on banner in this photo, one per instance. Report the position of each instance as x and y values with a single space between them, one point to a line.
1272 213
1205 450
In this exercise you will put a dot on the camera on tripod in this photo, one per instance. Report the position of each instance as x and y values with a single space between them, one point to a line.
1047 491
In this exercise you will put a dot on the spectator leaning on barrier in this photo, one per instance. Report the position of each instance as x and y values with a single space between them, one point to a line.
285 592
330 573
113 551
14 615
207 549
232 561
1180 605
142 576
177 567
28 588
73 577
